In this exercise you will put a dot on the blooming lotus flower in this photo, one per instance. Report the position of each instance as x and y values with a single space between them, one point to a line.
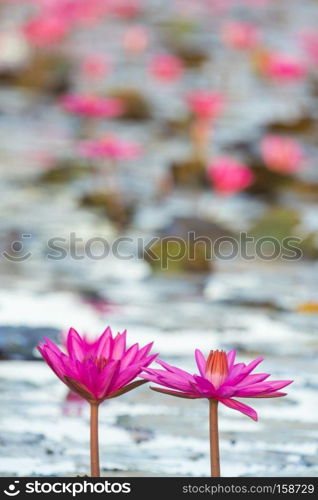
220 379
284 68
136 39
206 105
240 35
97 370
92 106
166 67
228 176
46 30
281 154
110 147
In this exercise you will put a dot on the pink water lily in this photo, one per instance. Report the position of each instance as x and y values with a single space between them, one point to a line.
229 176
219 379
97 370
166 67
206 104
92 105
282 154
285 68
46 30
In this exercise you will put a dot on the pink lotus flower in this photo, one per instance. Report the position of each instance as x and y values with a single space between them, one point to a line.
206 105
219 379
281 154
92 106
110 147
284 68
228 176
240 35
46 30
136 39
166 67
97 370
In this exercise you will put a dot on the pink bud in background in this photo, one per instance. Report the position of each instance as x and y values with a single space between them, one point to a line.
309 41
205 104
125 9
135 40
285 68
45 30
96 66
93 106
166 67
281 154
229 176
238 35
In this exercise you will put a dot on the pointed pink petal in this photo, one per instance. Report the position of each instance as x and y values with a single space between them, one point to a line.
75 345
144 352
253 379
237 405
125 376
230 359
129 356
185 395
242 373
102 345
119 345
107 378
175 370
271 395
261 388
201 362
204 386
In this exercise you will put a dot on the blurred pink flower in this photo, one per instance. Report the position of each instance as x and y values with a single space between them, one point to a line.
309 40
100 370
285 68
205 104
136 39
93 106
239 35
166 67
95 66
81 12
228 176
46 30
110 147
281 154
125 8
220 379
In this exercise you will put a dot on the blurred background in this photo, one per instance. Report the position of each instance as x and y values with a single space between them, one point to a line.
127 120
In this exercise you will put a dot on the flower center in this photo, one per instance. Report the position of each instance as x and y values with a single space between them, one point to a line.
216 369
99 362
